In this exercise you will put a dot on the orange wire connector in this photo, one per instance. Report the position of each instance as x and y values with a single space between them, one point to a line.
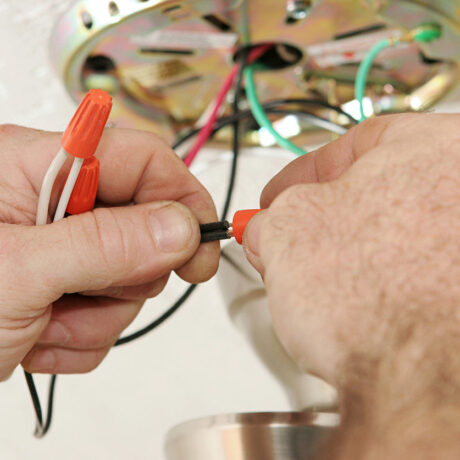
84 193
84 131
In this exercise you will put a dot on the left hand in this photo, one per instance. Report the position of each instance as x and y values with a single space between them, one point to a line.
68 289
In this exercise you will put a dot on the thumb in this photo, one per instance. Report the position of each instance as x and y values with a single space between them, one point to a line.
251 240
111 247
295 244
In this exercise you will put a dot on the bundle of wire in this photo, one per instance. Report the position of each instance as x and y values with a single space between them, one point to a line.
213 125
205 132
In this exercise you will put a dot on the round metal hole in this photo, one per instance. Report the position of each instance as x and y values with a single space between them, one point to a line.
280 56
86 19
113 9
99 64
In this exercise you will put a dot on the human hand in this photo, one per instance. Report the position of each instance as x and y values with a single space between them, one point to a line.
360 253
114 257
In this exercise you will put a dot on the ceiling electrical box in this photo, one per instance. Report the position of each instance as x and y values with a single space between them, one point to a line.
164 60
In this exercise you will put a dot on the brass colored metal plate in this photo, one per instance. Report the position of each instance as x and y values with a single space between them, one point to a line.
164 60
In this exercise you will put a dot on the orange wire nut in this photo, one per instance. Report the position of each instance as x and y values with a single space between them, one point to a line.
84 193
240 221
84 132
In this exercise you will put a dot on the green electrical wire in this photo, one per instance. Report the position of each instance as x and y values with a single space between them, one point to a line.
423 33
260 115
363 71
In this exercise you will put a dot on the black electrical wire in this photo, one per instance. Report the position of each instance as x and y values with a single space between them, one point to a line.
154 324
40 428
269 108
306 101
236 132
319 122
35 398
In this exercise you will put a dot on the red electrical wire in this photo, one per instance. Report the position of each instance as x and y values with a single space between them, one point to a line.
206 131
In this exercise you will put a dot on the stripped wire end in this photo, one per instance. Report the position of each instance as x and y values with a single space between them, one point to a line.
215 231
223 230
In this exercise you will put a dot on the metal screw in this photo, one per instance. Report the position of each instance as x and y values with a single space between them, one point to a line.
298 9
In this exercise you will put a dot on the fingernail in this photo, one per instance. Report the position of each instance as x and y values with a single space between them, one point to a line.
55 333
42 361
252 234
170 228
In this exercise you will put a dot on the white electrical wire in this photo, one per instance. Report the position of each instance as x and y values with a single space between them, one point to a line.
68 188
41 219
47 186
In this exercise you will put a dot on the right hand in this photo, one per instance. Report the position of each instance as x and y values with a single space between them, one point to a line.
360 253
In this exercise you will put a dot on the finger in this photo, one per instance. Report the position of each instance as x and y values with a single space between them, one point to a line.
88 323
108 247
204 264
141 292
17 334
251 241
158 176
54 360
135 165
332 160
292 245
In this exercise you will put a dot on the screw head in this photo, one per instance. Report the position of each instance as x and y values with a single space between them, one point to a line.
298 9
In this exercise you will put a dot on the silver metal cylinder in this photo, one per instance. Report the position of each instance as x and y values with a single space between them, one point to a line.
251 436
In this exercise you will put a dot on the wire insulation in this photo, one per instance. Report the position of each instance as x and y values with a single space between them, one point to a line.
68 189
245 57
247 114
363 71
159 320
47 186
205 132
207 128
261 117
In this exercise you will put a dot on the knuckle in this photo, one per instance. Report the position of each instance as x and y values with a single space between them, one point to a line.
8 130
14 257
303 206
97 358
302 231
155 289
93 339
11 244
97 239
83 364
143 292
12 135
